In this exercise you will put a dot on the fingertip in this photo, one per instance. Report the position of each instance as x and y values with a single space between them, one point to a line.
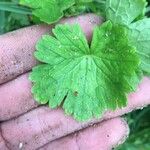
141 97
103 136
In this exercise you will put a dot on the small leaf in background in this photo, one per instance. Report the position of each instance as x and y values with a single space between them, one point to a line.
140 37
48 11
124 11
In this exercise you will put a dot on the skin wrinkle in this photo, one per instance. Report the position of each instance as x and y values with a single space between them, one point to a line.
14 118
5 143
71 135
77 138
48 129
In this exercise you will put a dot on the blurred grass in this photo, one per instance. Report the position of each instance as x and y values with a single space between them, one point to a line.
14 16
139 138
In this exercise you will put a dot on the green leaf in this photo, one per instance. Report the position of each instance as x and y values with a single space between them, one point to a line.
85 80
140 37
124 11
48 11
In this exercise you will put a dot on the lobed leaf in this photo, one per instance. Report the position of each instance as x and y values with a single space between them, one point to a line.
85 80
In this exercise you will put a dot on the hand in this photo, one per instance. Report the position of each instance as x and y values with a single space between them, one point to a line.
26 125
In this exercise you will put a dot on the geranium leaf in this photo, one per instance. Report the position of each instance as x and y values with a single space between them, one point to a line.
85 80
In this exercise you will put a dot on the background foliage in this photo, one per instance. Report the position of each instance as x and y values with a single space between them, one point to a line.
14 16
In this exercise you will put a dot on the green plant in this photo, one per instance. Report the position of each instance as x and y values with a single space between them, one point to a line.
85 80
79 75
13 16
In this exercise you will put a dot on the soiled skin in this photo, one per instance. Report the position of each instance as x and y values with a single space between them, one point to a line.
26 125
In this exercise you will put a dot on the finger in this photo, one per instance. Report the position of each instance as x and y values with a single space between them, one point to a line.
43 125
16 98
16 51
19 100
16 48
103 136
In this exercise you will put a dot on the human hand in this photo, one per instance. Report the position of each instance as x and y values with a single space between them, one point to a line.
26 125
